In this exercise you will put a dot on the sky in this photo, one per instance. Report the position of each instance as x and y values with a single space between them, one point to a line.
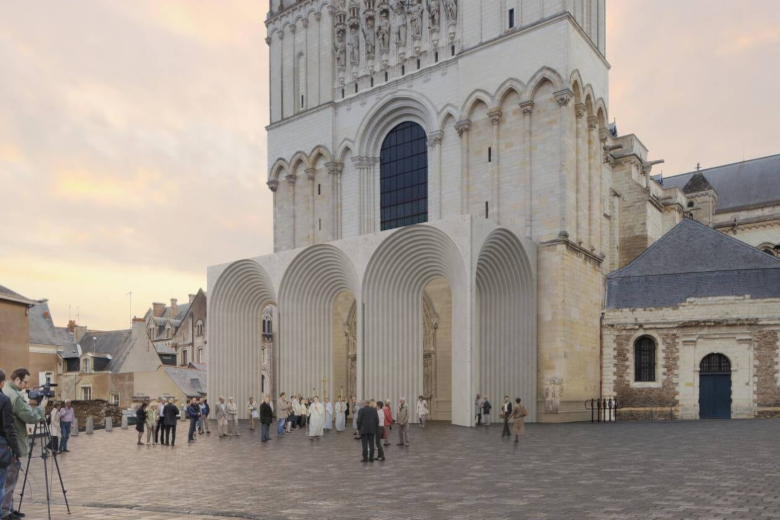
132 141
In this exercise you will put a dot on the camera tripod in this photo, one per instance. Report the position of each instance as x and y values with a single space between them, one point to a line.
45 442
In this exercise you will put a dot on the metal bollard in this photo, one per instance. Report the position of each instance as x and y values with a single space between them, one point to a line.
124 422
90 426
74 430
109 425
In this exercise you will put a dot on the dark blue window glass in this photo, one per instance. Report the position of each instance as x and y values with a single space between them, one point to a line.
404 177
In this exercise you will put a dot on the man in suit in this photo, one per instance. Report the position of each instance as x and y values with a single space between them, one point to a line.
222 417
506 408
368 424
193 412
170 416
266 418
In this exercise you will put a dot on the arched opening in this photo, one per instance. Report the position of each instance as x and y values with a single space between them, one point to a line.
644 359
715 387
437 348
404 176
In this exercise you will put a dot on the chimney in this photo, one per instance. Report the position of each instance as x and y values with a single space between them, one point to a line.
79 332
192 298
72 326
158 309
139 327
174 308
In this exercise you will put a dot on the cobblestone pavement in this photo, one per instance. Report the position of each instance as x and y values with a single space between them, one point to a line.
676 470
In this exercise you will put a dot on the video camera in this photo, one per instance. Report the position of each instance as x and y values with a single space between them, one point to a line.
39 392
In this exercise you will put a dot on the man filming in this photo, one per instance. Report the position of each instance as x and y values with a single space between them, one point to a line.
23 415
8 438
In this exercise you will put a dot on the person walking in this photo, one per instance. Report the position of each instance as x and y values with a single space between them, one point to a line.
422 410
170 417
140 421
402 420
303 406
266 417
152 415
478 409
251 409
193 412
341 414
486 407
355 411
518 416
388 422
55 428
232 416
328 415
367 422
9 439
316 419
380 430
282 411
506 411
296 410
222 417
67 418
205 409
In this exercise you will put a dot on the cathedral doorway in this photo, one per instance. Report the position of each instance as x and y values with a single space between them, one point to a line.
437 349
344 347
715 387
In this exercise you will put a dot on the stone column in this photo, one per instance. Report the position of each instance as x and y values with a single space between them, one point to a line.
291 180
334 171
373 206
462 128
582 230
528 108
310 173
495 118
594 174
359 164
273 185
434 142
563 97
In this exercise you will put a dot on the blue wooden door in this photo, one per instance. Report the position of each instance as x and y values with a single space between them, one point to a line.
715 396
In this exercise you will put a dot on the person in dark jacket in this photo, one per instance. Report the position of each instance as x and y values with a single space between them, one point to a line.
8 436
486 407
266 418
170 416
193 412
204 416
140 421
506 410
368 425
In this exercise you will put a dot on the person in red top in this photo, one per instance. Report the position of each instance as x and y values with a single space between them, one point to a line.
388 421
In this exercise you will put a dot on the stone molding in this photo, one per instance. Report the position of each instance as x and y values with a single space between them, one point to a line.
495 115
434 138
527 107
563 97
462 126
273 185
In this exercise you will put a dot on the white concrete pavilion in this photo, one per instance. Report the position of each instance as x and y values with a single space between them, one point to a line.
380 286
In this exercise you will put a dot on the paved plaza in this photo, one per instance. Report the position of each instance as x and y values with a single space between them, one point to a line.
674 470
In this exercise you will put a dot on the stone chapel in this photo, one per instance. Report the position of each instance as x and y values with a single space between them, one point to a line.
449 199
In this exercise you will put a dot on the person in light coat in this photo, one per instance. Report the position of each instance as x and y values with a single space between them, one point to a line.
422 410
402 420
232 415
355 410
222 417
251 410
341 414
328 414
316 413
518 416
152 416
55 430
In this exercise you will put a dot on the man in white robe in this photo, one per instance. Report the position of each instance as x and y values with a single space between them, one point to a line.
316 419
341 417
328 414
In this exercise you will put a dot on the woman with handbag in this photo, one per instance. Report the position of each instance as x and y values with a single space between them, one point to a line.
518 415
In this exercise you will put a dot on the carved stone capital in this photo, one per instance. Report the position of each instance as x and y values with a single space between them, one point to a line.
318 15
273 185
280 34
268 40
603 134
293 28
305 23
593 122
434 138
527 107
310 172
291 179
334 167
462 126
580 110
495 115
563 97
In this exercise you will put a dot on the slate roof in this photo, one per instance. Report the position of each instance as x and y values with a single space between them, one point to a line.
742 185
192 383
42 329
8 294
693 260
116 343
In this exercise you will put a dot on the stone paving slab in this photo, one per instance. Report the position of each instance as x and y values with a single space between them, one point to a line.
674 470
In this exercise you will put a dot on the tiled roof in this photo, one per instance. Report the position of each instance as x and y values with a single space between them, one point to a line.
746 184
693 260
117 343
192 383
8 294
42 329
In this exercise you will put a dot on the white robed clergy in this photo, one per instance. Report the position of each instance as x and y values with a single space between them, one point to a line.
341 417
328 414
316 419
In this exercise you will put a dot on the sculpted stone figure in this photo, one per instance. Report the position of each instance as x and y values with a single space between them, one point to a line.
416 12
434 13
354 43
369 35
451 10
399 24
384 32
341 50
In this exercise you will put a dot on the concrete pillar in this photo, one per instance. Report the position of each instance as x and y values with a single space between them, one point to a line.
124 422
528 108
582 231
594 172
563 97
495 118
90 425
462 128
291 180
74 429
434 160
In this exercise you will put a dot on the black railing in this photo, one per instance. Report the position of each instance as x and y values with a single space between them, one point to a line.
603 410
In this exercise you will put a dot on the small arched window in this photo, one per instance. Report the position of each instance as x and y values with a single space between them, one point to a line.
690 204
199 328
184 358
715 364
644 359
200 355
85 365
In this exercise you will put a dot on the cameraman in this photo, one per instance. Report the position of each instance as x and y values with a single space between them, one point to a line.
23 415
8 437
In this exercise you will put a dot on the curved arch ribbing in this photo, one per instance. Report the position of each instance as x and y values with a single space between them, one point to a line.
305 345
506 297
236 306
399 270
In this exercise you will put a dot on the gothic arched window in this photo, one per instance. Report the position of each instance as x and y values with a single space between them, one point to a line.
644 359
404 177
